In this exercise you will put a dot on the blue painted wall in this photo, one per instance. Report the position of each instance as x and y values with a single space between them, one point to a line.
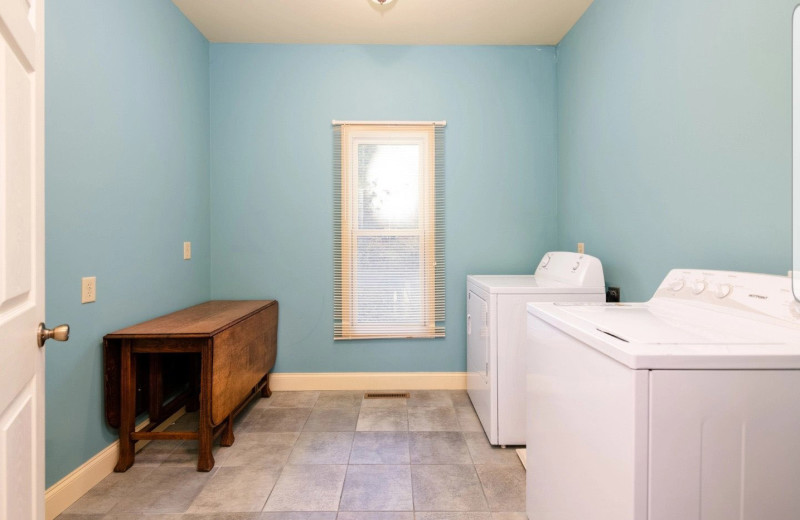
674 136
127 182
271 178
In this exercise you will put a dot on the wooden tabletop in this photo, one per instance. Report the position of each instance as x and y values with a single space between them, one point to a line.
206 319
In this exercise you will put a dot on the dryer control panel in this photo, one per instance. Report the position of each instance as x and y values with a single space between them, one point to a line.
571 268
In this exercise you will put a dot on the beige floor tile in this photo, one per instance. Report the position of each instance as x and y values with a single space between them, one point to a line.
276 420
380 448
375 515
447 488
322 448
185 454
217 516
377 488
156 452
344 399
166 489
503 486
438 448
510 516
292 399
468 420
299 515
260 449
307 488
332 420
236 489
432 419
140 516
105 495
430 399
382 419
453 516
484 453
275 444
460 398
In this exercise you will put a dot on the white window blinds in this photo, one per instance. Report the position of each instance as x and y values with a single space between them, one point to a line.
388 231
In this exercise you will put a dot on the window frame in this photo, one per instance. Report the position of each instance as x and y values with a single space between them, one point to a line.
352 136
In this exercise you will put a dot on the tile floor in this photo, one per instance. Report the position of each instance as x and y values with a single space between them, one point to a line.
325 456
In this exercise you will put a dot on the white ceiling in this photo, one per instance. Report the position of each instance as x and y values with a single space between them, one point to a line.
403 22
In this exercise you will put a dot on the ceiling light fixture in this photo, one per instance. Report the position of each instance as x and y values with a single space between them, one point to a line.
382 2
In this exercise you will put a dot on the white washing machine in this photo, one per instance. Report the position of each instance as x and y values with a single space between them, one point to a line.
685 407
496 334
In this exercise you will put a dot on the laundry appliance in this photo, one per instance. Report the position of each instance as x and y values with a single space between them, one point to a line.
496 334
684 407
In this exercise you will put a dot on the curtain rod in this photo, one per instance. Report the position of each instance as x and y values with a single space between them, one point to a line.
435 123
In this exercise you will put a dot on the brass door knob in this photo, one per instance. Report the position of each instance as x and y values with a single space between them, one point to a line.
60 333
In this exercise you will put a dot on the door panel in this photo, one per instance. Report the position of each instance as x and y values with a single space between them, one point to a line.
478 363
16 93
17 429
21 259
477 337
724 444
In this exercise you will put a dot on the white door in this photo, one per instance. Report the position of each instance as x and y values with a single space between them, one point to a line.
21 259
478 340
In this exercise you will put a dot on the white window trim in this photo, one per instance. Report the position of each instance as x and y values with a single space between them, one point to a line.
351 138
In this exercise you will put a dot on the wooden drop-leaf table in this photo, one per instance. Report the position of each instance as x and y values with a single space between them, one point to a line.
232 347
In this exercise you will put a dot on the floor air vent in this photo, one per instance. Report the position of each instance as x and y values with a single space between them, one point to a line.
386 396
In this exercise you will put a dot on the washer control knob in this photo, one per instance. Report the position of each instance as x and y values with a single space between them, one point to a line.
545 261
698 286
677 285
723 290
576 266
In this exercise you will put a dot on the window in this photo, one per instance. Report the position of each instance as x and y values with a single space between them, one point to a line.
389 231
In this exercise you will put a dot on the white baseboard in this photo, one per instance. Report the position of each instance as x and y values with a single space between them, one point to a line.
69 489
369 381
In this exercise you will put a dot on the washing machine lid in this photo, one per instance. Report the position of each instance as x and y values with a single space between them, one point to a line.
696 320
654 324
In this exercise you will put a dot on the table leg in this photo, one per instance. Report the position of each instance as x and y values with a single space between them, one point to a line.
227 434
265 391
127 407
205 460
193 403
156 389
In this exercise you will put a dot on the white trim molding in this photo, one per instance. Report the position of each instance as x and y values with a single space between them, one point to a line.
69 489
336 122
369 381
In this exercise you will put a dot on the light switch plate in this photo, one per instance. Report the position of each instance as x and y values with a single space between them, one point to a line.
88 289
187 250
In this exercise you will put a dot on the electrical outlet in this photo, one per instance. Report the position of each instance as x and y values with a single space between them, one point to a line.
580 247
187 250
88 289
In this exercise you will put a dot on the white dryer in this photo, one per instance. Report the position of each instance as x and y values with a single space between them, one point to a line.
684 407
496 334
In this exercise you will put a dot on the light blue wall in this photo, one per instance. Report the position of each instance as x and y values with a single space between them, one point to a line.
127 181
271 178
674 135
